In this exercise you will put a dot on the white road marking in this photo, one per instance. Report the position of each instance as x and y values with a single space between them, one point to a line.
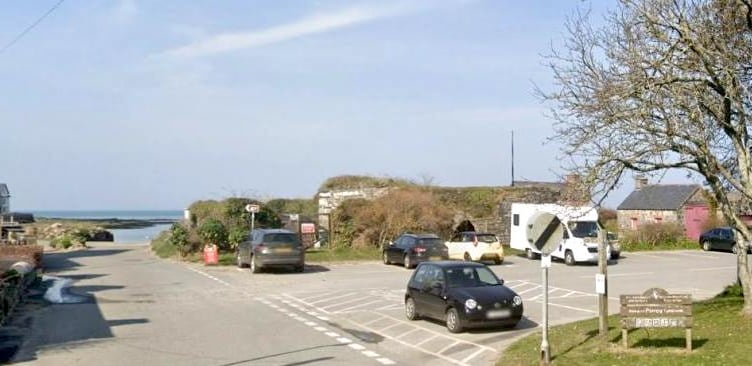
624 274
332 298
475 354
703 256
712 269
447 348
332 334
344 340
323 318
385 361
359 306
537 287
425 341
374 320
390 327
356 346
408 332
371 354
321 329
311 324
571 307
342 303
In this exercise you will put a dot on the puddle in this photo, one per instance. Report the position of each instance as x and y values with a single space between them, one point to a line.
58 292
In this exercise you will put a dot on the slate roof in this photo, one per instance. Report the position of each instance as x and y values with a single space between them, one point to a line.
4 190
669 197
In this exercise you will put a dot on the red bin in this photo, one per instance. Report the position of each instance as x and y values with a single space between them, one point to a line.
211 256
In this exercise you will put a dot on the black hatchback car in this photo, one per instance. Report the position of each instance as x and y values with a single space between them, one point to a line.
463 294
411 249
719 238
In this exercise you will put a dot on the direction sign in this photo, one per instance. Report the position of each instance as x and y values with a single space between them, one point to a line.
252 208
544 232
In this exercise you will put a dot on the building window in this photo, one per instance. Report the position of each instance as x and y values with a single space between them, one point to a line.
516 220
633 223
658 220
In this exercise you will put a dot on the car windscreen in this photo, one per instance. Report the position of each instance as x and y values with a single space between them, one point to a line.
486 238
430 242
281 238
471 277
584 229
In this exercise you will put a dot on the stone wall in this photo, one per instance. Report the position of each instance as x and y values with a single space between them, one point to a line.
328 201
632 219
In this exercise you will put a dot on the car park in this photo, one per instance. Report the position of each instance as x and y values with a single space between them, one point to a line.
463 295
265 248
720 238
410 249
475 246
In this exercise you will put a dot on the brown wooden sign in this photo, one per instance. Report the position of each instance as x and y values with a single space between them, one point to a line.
656 308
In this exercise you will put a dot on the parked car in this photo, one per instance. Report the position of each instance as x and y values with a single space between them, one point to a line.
411 249
463 294
721 238
613 242
271 248
474 246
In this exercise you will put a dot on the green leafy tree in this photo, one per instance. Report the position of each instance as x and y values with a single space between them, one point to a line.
213 232
236 236
179 238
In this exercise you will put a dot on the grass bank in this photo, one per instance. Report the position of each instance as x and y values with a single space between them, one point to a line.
720 336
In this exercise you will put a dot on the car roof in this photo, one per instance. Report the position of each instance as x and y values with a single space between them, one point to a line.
452 264
476 233
425 235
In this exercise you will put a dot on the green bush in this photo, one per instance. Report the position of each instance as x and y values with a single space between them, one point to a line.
162 245
64 241
212 231
178 238
655 236
236 236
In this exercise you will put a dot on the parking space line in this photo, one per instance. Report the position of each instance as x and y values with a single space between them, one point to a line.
447 348
425 341
371 354
537 287
319 295
440 334
333 298
408 332
712 269
356 346
374 320
475 354
571 307
385 361
694 255
390 327
359 306
305 303
342 303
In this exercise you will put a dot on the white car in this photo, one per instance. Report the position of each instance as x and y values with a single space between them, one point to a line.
474 246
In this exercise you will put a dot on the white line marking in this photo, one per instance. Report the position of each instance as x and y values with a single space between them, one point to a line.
441 334
358 306
344 340
370 354
321 329
447 347
425 341
390 327
528 290
311 324
305 303
385 361
341 303
408 332
332 334
712 269
571 307
624 274
319 295
475 354
569 294
333 298
323 318
356 346
374 320
703 256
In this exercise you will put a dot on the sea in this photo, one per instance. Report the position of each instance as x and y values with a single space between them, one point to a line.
122 236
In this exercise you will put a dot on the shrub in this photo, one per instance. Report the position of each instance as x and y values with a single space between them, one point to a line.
236 236
656 236
212 231
178 238
64 241
162 246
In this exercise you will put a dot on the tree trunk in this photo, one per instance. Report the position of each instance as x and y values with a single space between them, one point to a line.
745 277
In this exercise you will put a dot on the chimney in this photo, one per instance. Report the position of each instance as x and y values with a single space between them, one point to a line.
640 181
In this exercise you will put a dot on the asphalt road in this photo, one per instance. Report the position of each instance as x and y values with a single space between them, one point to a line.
136 309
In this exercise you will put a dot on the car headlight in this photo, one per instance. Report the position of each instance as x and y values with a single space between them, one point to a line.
471 304
517 301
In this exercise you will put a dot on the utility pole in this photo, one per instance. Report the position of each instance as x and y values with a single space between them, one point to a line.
601 285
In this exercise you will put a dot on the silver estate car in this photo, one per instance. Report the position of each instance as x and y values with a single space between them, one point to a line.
271 248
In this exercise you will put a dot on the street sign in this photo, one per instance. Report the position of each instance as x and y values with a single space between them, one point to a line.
307 228
544 232
252 208
545 261
600 284
656 308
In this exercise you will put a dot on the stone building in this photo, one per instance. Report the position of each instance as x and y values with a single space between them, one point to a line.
329 200
4 199
684 204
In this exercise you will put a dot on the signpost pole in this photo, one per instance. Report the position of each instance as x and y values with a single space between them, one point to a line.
253 219
603 290
545 347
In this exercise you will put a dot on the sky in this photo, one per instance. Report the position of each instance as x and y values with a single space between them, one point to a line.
129 104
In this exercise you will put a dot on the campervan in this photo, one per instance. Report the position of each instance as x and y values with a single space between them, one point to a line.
581 231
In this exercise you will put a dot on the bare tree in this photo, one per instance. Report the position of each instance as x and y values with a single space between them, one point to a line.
663 84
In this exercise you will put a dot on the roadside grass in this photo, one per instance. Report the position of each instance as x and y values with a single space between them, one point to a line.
162 247
342 254
720 336
645 247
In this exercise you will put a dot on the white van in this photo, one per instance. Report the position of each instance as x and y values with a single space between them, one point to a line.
581 229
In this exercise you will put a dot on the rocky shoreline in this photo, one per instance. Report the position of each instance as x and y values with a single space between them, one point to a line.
109 223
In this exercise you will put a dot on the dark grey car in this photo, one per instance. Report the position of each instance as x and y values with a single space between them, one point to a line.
271 248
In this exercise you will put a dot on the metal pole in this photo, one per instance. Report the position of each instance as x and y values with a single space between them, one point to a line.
253 220
545 348
603 297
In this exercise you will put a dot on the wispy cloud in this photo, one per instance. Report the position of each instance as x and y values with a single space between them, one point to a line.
309 25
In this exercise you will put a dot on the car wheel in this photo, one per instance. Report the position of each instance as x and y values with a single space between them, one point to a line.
498 260
529 253
466 257
706 246
385 257
410 311
453 321
240 261
299 268
407 261
615 256
569 258
255 268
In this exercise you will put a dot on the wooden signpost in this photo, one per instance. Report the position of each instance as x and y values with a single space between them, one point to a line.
656 308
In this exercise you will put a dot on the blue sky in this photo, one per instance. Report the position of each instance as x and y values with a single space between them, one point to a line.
154 104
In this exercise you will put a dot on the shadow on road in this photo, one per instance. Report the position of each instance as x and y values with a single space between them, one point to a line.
251 361
38 324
